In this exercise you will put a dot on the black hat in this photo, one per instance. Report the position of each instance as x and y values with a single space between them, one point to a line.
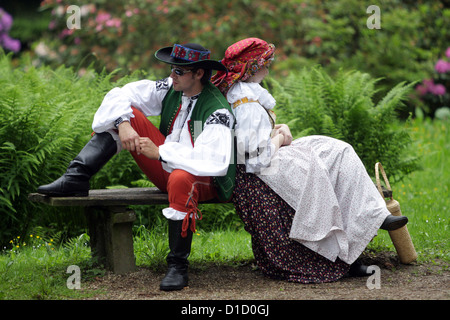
190 54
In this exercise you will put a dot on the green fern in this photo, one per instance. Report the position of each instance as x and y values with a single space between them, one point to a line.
46 119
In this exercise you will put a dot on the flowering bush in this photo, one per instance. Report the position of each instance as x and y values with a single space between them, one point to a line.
125 33
434 93
5 40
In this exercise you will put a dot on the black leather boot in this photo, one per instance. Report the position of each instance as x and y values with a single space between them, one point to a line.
177 260
357 269
393 222
75 182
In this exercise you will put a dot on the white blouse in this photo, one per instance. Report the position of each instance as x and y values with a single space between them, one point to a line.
211 154
253 127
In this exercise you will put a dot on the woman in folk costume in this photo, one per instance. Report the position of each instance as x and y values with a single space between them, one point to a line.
309 204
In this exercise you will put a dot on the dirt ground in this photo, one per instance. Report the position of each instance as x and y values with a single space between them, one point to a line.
418 281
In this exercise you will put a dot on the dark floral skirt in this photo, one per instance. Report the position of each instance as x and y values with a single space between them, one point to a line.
268 219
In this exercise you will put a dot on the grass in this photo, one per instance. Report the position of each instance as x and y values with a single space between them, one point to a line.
424 195
36 267
223 246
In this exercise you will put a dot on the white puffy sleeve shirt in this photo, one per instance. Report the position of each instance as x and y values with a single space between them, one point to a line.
211 154
144 95
253 127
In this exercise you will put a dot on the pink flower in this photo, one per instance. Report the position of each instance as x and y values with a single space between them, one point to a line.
9 43
5 20
429 86
447 52
115 22
52 25
438 90
442 66
421 90
428 83
66 33
102 17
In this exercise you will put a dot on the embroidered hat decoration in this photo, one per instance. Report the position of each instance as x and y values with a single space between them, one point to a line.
243 60
190 54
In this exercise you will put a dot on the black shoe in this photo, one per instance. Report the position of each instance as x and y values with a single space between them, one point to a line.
177 274
394 222
75 182
357 269
176 279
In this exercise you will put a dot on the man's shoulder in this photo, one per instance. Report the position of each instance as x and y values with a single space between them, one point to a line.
163 84
218 97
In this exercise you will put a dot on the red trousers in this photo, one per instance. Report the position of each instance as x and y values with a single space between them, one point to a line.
184 189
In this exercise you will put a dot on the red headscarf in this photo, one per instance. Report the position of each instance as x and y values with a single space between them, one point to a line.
243 60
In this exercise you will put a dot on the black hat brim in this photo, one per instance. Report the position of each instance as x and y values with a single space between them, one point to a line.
163 55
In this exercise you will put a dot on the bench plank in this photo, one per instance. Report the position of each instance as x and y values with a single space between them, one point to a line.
106 198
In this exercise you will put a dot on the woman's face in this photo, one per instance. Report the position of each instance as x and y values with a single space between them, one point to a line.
260 75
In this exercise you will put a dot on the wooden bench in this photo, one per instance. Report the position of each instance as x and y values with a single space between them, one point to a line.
110 221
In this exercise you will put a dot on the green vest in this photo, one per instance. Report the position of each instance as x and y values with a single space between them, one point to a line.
209 101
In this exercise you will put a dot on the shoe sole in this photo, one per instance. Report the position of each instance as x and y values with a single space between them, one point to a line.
60 195
172 288
396 224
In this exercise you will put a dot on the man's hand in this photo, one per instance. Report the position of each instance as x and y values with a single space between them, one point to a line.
148 148
129 137
284 130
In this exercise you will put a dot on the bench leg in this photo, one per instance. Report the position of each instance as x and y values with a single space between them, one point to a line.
110 231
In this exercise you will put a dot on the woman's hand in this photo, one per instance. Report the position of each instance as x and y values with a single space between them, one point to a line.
148 148
284 130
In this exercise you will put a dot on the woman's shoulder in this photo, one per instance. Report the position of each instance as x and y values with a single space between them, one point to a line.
253 92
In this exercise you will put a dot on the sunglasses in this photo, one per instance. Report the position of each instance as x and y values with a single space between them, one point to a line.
180 72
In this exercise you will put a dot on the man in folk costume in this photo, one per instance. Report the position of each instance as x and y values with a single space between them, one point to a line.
189 157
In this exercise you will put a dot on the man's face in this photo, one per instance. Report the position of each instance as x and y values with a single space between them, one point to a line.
186 80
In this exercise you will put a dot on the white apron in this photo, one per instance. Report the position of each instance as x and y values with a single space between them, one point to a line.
338 208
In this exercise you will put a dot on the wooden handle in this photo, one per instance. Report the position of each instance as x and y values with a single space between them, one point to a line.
378 168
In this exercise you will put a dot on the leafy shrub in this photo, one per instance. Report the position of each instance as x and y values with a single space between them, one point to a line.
46 119
311 102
